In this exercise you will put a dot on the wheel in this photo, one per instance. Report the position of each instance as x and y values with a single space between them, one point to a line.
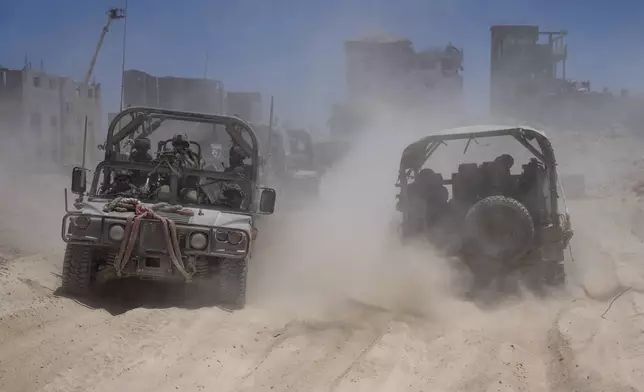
232 282
78 270
499 228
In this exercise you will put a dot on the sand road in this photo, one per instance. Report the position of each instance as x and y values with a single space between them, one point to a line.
402 330
52 343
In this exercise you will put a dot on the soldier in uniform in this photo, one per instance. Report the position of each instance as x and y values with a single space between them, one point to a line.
187 158
141 151
140 154
236 157
122 184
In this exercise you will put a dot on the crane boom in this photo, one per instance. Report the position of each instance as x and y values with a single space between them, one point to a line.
112 14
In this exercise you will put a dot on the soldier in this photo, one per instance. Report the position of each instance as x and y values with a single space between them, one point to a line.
501 181
140 154
188 158
141 151
236 163
122 184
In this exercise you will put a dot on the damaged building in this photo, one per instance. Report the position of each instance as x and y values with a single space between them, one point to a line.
200 95
170 92
524 70
391 71
387 70
189 94
529 82
44 114
246 105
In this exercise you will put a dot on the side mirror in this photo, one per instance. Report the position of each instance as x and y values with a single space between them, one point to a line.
79 181
267 201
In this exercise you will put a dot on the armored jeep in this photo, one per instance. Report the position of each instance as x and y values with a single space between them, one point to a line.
495 219
167 215
291 163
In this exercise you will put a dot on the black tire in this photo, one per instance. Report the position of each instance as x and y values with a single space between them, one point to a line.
78 270
232 282
499 228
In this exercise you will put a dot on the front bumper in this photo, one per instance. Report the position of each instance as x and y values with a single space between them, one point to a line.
150 257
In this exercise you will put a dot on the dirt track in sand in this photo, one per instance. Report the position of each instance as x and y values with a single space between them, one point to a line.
569 342
51 343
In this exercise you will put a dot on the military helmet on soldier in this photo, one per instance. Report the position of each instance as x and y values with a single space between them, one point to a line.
180 140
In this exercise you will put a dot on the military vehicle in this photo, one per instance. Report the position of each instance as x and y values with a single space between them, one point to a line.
497 221
166 216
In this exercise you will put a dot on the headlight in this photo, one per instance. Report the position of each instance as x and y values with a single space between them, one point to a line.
116 232
221 235
234 238
198 241
82 222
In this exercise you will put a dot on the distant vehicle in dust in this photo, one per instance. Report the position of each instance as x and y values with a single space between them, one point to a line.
290 162
497 221
168 216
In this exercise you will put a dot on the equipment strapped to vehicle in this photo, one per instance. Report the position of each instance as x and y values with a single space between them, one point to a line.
128 204
132 233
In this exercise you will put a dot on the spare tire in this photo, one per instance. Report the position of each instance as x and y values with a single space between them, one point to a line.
499 227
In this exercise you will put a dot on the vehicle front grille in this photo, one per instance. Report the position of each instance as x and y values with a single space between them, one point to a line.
151 237
177 218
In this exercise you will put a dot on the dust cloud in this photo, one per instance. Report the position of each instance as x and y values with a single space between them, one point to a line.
345 246
31 190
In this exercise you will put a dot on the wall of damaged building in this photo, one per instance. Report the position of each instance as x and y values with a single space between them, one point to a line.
192 95
11 104
43 114
389 71
246 105
169 92
528 82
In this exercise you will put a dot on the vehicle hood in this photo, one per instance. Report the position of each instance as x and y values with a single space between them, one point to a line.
203 217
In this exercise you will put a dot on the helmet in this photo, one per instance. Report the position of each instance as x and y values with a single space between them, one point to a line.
180 140
122 174
142 144
506 160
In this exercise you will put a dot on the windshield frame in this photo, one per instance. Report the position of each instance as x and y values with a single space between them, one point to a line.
139 115
93 195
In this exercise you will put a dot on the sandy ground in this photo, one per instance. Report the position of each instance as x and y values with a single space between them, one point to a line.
403 330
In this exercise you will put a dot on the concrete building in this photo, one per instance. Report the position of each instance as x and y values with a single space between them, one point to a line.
388 70
169 92
44 114
525 71
246 105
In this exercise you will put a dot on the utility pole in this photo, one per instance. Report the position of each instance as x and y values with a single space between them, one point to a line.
123 56
269 140
205 71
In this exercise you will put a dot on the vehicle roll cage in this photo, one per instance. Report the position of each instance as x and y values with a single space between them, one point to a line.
416 154
140 115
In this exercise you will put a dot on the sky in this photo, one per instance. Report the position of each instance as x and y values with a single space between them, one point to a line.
292 49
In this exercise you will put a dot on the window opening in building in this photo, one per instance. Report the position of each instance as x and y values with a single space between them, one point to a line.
37 81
